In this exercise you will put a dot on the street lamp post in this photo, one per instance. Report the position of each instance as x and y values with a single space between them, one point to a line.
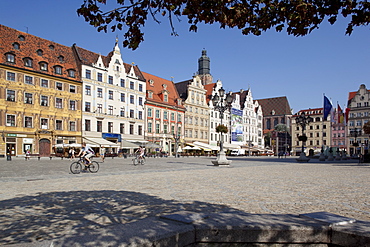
303 121
355 133
221 104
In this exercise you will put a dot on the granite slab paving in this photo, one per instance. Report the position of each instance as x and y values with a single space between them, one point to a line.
40 200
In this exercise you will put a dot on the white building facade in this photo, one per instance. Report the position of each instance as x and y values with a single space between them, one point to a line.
113 99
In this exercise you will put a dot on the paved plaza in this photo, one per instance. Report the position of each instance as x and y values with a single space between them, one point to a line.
40 200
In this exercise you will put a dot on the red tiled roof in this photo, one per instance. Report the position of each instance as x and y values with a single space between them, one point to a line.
52 53
243 94
351 95
209 88
311 112
279 104
157 88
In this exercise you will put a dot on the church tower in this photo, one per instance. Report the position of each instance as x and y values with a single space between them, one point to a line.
204 68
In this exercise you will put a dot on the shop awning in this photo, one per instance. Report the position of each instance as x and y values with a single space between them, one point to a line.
128 145
100 142
231 146
206 146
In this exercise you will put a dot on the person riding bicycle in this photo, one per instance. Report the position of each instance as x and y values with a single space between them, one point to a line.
87 152
141 152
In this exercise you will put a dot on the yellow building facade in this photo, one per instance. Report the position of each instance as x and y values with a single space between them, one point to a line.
40 95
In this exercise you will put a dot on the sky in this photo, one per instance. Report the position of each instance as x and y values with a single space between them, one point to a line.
325 62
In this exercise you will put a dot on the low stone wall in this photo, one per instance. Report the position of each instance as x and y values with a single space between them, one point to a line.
225 229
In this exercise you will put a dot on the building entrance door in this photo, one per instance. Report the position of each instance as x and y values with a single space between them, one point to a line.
10 149
44 147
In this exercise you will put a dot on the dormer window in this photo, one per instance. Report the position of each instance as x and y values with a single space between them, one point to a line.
51 47
16 46
151 82
61 58
150 95
10 58
164 86
27 62
165 98
39 52
58 70
21 38
43 66
71 73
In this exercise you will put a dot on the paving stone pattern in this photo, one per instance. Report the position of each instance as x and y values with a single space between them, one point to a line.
41 200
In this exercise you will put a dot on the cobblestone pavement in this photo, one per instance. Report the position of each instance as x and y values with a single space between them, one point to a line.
42 200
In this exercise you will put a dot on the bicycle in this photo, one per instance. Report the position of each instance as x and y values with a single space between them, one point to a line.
76 167
138 160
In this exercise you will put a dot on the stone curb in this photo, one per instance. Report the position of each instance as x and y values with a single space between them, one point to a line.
218 229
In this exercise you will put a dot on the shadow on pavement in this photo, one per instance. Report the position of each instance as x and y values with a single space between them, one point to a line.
54 215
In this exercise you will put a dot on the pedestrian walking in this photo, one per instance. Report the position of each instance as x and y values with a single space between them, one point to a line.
102 154
72 152
28 154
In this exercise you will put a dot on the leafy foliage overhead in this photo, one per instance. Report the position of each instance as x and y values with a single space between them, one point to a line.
297 17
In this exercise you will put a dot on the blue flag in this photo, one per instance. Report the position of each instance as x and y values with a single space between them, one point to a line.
327 107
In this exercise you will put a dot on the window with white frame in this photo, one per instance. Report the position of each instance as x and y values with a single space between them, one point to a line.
100 92
10 76
44 100
100 77
121 128
150 113
59 85
10 95
110 94
87 106
72 88
150 127
72 105
58 103
44 123
72 126
58 124
28 122
10 58
110 110
88 74
28 98
88 90
10 120
28 79
44 83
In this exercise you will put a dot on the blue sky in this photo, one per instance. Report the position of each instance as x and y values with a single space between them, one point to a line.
271 65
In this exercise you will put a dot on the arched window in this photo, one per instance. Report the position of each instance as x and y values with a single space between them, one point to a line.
28 62
58 69
10 57
72 73
16 46
43 66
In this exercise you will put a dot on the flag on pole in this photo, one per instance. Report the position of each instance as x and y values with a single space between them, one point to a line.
340 115
346 116
327 107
